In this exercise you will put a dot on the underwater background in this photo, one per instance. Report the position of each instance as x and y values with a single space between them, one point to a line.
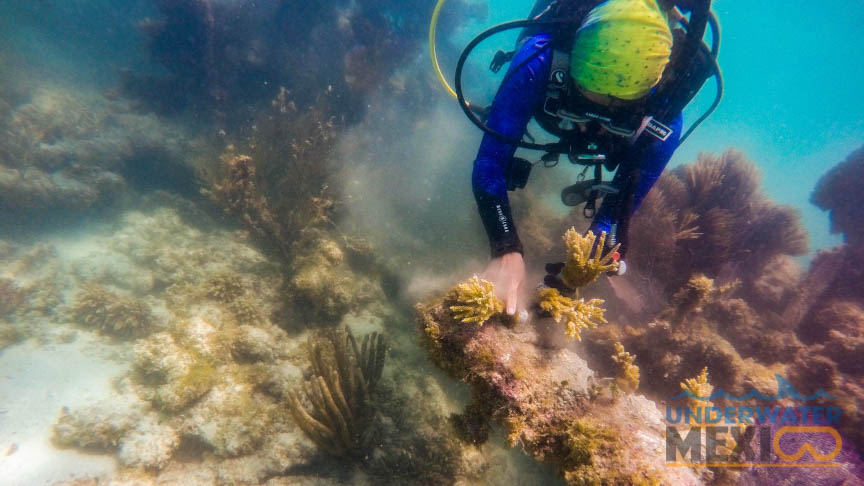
231 233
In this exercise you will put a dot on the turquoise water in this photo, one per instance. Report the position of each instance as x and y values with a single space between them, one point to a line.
193 193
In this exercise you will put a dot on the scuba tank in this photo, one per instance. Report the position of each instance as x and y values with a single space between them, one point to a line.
691 65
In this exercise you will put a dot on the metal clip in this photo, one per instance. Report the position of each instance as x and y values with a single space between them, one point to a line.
550 159
501 58
581 176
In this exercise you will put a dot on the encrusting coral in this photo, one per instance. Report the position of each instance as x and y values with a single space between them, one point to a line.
92 428
173 377
577 314
591 443
476 301
586 259
338 398
628 373
110 313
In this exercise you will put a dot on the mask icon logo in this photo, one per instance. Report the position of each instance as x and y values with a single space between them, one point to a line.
807 446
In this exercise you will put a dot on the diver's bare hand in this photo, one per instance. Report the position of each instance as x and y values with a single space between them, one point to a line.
507 273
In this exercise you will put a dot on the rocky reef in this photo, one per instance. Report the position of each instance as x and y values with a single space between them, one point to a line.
549 401
212 376
66 151
593 430
723 296
838 192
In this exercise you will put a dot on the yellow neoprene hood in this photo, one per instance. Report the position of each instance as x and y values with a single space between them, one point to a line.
622 48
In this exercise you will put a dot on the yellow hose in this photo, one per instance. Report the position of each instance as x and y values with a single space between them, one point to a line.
432 53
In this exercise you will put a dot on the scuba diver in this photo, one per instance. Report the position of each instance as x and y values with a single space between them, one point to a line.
610 80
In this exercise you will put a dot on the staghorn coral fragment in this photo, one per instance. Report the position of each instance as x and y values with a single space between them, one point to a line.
338 408
477 301
628 373
699 387
584 264
578 314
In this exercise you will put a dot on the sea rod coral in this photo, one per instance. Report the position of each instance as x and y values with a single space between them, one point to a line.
340 392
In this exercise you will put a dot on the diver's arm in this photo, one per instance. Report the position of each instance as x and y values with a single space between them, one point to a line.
650 156
512 108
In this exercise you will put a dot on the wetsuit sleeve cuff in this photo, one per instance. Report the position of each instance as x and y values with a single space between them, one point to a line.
501 248
498 221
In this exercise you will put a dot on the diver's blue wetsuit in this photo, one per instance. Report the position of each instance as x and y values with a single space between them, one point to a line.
514 105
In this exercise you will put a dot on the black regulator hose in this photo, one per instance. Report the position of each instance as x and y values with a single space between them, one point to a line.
460 96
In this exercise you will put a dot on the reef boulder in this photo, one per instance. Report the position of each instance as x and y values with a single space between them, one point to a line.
549 401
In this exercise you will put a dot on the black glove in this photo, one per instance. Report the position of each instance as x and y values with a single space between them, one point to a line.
553 279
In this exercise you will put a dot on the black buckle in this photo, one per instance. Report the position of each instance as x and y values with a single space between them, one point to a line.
501 58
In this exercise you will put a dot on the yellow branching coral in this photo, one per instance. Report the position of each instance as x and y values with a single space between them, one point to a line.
582 267
577 314
628 373
699 387
477 301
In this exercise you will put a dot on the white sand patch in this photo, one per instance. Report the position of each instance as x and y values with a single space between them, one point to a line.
36 382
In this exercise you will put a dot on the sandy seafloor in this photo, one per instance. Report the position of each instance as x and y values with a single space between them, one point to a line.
37 381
